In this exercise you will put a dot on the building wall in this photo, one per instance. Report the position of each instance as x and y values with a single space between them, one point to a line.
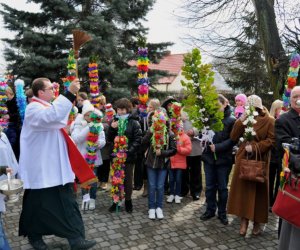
176 84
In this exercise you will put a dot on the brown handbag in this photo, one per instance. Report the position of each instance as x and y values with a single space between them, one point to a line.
253 170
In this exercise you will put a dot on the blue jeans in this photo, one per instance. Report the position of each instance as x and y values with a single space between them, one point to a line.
156 181
93 189
3 241
216 177
175 178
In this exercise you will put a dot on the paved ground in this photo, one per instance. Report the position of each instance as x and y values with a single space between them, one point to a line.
180 229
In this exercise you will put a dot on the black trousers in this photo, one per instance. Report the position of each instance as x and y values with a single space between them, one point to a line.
274 181
192 177
103 171
139 170
51 211
128 180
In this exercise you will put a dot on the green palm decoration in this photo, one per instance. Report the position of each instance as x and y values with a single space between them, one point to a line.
202 99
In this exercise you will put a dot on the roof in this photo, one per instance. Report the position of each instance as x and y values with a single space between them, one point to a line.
171 63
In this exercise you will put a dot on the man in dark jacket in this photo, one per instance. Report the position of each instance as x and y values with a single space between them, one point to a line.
217 159
287 126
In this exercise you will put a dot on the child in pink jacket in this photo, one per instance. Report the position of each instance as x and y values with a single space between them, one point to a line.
178 164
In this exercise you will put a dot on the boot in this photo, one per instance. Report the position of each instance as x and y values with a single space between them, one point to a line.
145 192
113 208
128 206
256 229
83 244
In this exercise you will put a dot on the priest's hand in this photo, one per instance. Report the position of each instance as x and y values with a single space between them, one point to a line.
74 86
9 170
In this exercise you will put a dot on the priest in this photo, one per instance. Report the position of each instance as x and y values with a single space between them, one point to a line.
49 205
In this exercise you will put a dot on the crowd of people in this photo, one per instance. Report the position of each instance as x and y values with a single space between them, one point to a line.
160 152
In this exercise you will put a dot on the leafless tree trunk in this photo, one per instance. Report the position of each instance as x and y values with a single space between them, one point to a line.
272 46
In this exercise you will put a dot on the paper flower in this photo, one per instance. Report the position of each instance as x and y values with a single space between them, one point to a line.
95 128
117 173
71 74
109 112
176 124
291 79
249 132
55 89
143 80
94 82
159 129
21 98
3 108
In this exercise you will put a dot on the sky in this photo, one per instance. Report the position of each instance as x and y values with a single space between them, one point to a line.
162 23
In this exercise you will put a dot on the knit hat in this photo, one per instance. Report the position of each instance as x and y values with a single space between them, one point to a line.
242 98
98 113
255 101
87 107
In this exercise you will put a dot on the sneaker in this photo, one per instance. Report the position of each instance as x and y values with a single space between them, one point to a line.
170 198
159 213
85 205
151 213
177 199
92 204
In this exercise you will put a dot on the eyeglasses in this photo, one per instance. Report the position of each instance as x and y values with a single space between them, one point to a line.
50 88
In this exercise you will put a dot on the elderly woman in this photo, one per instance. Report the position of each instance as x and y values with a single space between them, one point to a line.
248 199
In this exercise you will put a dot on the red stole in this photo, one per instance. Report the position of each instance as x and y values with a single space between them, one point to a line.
79 166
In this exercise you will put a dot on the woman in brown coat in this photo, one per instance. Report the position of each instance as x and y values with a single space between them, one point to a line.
247 199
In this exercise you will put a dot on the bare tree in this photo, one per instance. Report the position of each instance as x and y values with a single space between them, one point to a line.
218 21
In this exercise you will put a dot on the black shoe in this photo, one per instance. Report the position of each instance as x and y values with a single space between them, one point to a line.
183 194
83 244
38 244
137 188
206 216
196 197
128 206
114 208
223 220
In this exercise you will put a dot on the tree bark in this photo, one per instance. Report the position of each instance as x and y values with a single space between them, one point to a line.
275 57
87 8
